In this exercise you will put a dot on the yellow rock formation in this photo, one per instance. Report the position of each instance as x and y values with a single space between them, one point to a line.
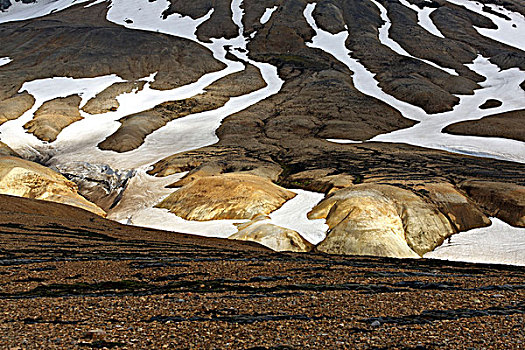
23 178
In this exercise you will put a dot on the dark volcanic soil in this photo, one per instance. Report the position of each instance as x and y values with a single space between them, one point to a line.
72 280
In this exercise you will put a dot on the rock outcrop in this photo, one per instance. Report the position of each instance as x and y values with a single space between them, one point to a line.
53 116
99 183
490 103
461 211
5 4
372 219
106 101
226 196
277 238
508 125
12 108
505 201
23 178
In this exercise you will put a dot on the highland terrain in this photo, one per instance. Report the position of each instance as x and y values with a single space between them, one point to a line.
384 129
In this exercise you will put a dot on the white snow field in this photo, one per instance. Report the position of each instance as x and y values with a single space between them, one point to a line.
4 61
499 243
509 32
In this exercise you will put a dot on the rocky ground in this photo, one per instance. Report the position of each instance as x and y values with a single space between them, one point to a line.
85 282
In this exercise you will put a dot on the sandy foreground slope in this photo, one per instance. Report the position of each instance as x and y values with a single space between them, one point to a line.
86 282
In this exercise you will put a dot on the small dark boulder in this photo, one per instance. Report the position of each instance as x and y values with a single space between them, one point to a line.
490 103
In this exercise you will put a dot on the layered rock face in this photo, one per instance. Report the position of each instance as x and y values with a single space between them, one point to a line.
362 223
374 219
226 196
277 238
461 211
22 178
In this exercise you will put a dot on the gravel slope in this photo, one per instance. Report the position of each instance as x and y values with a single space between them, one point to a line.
85 282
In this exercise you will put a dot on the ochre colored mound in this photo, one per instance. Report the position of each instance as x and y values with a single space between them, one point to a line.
227 196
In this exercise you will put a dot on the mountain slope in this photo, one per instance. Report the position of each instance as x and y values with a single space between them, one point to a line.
327 96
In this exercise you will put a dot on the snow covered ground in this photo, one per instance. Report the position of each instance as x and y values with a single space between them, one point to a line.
499 243
502 85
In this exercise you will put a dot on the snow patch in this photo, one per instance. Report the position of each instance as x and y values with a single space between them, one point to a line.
499 243
4 61
95 3
292 215
268 14
500 84
342 141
